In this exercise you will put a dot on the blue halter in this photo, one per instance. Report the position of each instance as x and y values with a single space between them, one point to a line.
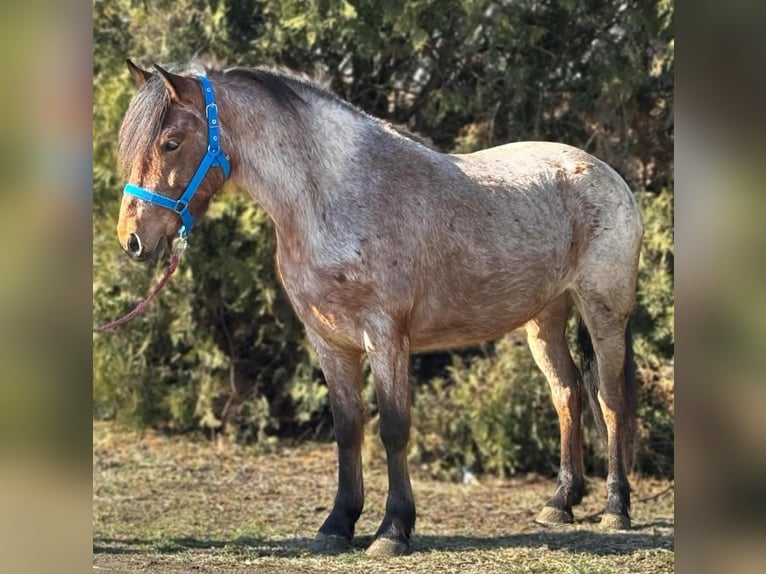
213 158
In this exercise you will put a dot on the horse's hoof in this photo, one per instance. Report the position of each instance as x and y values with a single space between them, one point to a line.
387 547
551 516
329 544
615 522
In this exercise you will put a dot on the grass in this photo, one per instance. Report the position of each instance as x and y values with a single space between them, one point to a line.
168 504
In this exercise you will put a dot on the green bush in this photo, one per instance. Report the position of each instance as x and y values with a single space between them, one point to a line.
654 316
492 413
220 349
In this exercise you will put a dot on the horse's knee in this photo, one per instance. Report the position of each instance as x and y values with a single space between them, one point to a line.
348 435
395 430
348 422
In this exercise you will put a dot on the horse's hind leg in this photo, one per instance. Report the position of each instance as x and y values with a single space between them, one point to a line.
605 306
546 335
343 372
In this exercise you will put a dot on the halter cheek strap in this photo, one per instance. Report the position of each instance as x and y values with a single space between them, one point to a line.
214 157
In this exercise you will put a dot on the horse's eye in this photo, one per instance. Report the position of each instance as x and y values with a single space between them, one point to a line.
169 145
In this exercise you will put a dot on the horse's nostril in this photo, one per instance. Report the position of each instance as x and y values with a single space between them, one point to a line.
134 244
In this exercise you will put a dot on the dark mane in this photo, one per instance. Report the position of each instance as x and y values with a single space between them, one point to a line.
142 121
146 112
275 85
285 86
289 89
149 106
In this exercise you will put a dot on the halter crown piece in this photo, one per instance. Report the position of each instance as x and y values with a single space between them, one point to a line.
214 157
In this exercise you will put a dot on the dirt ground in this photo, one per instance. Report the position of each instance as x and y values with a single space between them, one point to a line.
173 505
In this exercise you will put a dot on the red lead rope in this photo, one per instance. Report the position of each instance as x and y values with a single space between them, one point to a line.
174 259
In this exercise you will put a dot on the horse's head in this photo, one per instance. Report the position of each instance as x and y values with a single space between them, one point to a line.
163 139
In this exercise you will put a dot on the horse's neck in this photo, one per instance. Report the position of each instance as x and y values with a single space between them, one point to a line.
301 170
266 161
291 169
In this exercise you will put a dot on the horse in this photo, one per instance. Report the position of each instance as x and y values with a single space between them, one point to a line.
387 247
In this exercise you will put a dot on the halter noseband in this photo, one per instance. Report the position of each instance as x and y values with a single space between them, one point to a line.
214 157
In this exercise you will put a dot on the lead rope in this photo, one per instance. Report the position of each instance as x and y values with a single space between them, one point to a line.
179 245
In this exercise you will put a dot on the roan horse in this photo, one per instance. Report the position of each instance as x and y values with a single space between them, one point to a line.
387 247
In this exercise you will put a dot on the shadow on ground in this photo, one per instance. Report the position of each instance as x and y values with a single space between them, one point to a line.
598 543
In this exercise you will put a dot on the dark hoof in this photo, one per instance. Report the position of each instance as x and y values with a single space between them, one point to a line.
387 548
615 522
550 516
329 544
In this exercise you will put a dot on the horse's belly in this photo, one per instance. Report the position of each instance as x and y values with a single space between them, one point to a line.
448 319
461 334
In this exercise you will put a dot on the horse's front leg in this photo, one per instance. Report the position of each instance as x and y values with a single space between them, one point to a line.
343 372
388 354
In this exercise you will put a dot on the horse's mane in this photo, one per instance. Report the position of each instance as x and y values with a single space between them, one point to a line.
290 91
274 83
285 87
288 88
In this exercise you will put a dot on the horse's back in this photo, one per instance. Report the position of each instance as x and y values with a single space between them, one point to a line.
605 216
518 164
564 184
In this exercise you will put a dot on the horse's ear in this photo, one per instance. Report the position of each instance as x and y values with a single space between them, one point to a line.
139 75
180 88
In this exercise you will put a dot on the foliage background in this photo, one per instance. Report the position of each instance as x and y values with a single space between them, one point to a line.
221 353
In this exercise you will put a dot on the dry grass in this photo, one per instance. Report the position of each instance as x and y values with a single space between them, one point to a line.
173 505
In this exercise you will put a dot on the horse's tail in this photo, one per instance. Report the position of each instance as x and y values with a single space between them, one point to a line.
589 371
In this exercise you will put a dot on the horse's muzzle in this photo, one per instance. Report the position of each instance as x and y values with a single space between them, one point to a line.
137 250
